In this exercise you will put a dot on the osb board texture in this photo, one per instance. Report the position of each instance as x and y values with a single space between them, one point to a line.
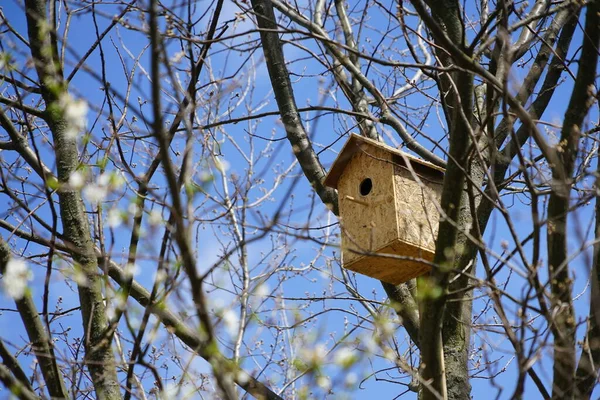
372 225
393 270
417 207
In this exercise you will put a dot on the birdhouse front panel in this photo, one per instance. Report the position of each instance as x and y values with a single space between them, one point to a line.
366 191
388 203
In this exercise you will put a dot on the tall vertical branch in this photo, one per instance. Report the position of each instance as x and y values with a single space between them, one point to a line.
582 97
589 362
99 358
181 232
444 330
286 102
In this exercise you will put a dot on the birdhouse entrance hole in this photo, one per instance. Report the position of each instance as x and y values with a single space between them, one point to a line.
366 186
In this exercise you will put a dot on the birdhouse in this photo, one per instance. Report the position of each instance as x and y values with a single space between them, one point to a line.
388 202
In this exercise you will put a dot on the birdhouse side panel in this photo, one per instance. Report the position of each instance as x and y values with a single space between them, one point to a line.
417 204
366 193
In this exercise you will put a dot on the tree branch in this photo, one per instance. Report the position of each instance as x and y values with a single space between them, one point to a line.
99 358
582 98
22 147
40 341
13 365
284 95
16 387
386 115
306 156
188 336
444 333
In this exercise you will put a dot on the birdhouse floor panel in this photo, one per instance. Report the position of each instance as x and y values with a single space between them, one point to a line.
393 269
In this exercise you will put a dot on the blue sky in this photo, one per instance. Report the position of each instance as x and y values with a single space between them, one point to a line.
304 268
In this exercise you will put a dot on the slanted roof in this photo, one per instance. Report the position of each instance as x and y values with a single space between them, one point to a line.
358 143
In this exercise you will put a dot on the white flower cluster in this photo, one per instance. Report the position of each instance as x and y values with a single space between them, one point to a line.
169 392
76 180
231 321
107 181
155 218
16 278
131 270
345 357
115 218
313 356
259 295
75 113
179 391
221 164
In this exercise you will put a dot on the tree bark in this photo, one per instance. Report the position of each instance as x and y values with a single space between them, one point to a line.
445 326
286 102
564 324
99 358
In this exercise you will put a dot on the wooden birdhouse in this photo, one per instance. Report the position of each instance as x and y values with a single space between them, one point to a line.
388 203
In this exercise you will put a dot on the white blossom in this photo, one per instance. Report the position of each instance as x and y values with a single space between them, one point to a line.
177 57
15 279
110 312
221 164
242 377
324 382
178 391
386 327
313 355
160 276
259 295
169 392
117 180
115 218
205 176
133 209
370 344
104 179
134 322
75 113
119 302
131 270
351 379
262 291
79 277
76 180
345 357
232 321
95 193
106 182
155 218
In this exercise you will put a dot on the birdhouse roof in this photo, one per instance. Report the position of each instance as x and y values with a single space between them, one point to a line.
358 143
